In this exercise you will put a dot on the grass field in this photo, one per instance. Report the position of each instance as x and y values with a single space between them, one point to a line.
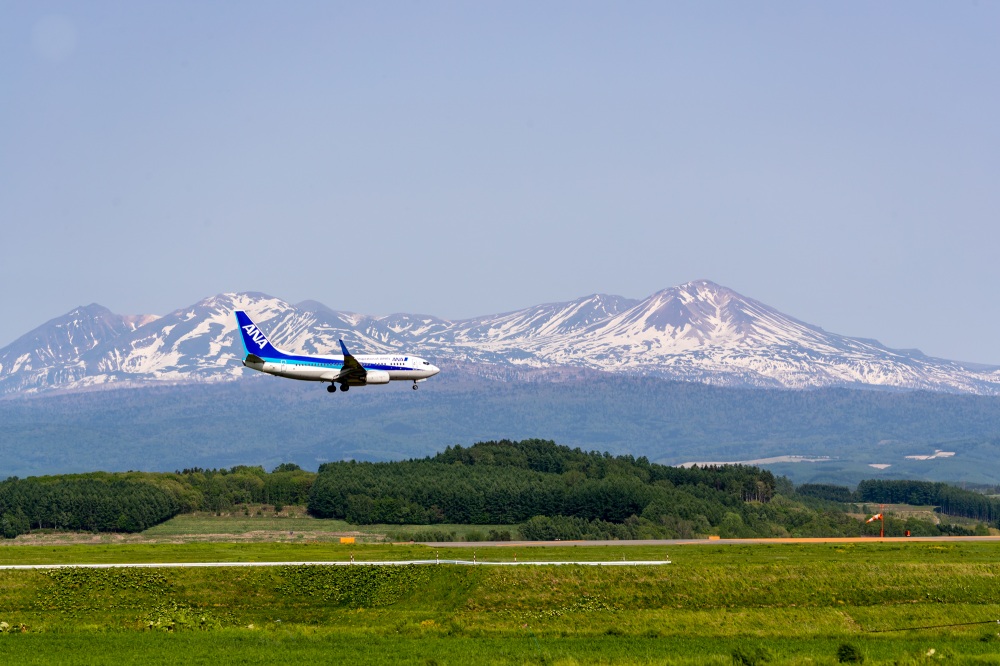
260 524
753 604
293 524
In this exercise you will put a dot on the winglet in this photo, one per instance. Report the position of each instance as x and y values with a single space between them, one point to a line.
351 364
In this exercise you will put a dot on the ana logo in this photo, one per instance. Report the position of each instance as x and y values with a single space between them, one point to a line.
254 334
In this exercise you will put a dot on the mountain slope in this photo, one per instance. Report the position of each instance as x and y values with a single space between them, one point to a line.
848 434
52 354
698 331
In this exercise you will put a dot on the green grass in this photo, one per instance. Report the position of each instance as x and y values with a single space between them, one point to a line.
294 524
720 557
199 524
789 603
293 647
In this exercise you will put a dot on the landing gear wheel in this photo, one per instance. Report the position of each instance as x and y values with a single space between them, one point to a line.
332 388
415 387
344 387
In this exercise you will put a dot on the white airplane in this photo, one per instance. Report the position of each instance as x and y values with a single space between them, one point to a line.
346 370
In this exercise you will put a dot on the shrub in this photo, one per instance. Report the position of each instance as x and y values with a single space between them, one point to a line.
849 654
751 655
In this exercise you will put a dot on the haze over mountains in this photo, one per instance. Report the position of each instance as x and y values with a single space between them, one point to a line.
698 332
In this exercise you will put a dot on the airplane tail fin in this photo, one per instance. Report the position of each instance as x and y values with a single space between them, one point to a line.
254 340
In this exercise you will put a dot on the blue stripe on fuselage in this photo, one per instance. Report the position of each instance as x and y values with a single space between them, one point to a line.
302 360
313 360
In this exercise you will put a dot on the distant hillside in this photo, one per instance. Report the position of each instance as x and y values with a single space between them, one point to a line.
558 491
268 421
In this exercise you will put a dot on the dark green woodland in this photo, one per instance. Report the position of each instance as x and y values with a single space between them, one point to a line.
541 489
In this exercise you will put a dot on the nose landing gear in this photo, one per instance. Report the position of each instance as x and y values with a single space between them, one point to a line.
415 387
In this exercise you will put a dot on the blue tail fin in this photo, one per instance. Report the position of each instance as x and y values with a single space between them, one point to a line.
254 340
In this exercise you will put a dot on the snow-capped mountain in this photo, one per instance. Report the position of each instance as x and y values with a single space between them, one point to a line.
53 354
699 331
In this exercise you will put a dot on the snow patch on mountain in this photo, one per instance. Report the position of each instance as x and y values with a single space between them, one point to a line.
699 331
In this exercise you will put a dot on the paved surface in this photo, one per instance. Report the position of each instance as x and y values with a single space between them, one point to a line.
485 545
698 542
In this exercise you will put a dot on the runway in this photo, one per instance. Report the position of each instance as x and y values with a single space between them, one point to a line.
702 542
506 545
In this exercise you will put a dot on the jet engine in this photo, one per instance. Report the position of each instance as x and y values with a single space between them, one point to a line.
377 377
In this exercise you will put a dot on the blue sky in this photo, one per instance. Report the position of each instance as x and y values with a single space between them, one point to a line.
838 161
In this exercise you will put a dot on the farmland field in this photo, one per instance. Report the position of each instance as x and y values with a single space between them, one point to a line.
766 603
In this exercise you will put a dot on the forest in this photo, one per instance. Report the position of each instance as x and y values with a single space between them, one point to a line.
133 501
553 491
82 504
539 488
948 499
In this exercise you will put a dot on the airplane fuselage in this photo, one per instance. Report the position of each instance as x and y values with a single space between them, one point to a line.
381 368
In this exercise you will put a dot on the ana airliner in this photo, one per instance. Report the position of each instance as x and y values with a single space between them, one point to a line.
346 370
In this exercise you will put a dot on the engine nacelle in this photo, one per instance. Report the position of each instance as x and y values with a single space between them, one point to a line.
377 377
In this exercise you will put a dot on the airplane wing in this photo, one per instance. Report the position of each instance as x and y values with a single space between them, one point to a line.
352 368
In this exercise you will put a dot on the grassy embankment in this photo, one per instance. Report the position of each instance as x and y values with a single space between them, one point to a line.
294 524
787 603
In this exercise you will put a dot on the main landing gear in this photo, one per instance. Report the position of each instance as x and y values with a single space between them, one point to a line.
332 388
415 387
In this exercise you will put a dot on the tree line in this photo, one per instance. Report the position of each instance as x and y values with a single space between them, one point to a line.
220 490
135 501
82 504
541 489
947 499
508 483
553 491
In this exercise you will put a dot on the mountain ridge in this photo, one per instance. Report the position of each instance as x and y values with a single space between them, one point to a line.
699 331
